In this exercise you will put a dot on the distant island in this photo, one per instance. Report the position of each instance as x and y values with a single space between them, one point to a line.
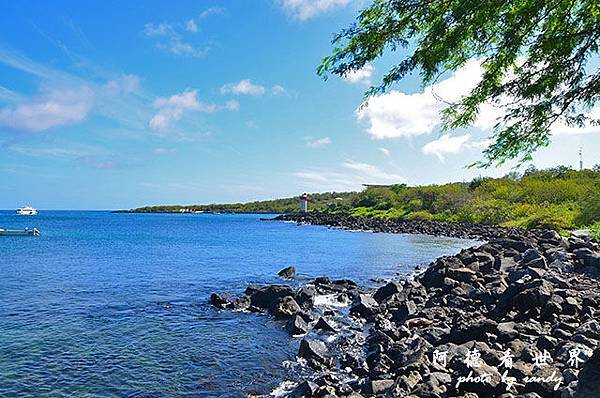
558 198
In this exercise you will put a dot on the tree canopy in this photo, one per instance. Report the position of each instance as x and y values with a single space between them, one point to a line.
539 60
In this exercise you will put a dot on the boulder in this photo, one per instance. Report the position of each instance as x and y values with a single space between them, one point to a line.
462 274
306 389
404 311
365 307
288 272
269 296
385 292
533 295
324 325
315 353
588 385
375 387
544 382
221 300
305 296
226 301
297 326
286 307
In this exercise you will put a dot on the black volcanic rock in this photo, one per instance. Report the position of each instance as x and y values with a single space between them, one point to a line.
268 297
315 352
524 291
297 326
288 272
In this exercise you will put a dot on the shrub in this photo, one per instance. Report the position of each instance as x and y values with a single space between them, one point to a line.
419 215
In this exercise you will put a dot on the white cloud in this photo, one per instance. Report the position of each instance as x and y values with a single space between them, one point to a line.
349 176
278 89
243 87
318 143
361 76
67 98
171 109
397 114
124 84
303 10
385 151
232 105
169 40
445 145
178 47
210 11
55 108
563 129
161 29
191 26
246 87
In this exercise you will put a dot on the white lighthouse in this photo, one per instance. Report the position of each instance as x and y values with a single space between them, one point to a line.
304 202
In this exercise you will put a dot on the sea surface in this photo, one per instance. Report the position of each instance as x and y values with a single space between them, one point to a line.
116 305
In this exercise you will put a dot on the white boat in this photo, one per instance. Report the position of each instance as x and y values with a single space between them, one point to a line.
27 211
20 232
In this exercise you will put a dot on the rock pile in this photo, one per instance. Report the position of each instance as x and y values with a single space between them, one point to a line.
401 225
515 317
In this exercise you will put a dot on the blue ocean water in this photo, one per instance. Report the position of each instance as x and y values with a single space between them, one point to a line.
116 305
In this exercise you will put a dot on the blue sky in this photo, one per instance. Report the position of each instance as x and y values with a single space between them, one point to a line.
110 104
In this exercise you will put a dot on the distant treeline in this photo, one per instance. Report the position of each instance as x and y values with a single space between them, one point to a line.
318 201
559 198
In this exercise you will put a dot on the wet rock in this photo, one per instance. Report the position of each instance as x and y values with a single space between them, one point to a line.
286 307
288 272
324 325
305 296
220 300
365 307
306 389
385 292
268 297
322 281
315 352
297 326
225 301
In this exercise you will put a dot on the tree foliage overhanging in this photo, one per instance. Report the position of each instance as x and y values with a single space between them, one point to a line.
539 58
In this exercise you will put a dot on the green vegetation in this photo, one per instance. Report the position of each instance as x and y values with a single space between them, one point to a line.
558 198
539 60
328 201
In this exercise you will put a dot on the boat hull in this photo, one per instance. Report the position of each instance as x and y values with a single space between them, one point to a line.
24 232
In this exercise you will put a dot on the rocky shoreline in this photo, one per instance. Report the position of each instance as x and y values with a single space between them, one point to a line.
515 317
400 225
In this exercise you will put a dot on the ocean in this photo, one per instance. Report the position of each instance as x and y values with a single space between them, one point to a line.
116 305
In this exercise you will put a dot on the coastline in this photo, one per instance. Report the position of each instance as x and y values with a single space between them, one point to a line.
399 225
528 292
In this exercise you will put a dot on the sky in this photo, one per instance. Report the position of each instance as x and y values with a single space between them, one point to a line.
114 105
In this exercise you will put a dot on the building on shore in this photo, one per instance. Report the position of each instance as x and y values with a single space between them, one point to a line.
304 202
376 186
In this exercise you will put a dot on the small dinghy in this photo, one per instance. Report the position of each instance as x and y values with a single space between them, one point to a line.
20 232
